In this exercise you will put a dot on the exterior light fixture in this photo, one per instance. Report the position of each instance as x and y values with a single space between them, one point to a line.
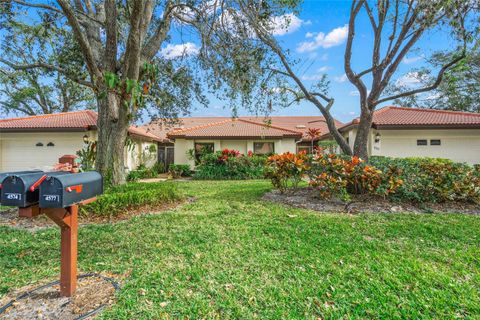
377 137
85 139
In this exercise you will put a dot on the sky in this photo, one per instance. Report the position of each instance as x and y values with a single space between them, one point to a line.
316 38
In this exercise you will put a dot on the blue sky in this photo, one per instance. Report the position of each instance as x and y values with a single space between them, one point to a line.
325 55
316 38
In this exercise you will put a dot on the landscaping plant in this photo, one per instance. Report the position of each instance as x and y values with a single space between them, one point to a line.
179 170
117 200
287 169
230 164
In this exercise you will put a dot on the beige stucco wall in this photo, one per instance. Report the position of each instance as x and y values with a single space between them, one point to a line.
183 145
139 153
18 150
460 145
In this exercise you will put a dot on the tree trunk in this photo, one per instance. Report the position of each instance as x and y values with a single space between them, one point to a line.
360 148
112 127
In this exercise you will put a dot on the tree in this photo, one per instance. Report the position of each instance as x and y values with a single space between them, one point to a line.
39 91
397 26
119 42
459 90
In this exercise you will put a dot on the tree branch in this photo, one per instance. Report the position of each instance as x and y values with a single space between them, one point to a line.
433 86
48 67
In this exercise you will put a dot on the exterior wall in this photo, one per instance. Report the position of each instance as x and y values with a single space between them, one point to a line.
460 145
18 150
235 145
183 145
139 153
180 151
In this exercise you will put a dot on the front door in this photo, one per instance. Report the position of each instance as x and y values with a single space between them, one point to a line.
169 158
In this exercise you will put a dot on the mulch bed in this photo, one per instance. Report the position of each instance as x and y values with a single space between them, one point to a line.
46 303
10 217
307 198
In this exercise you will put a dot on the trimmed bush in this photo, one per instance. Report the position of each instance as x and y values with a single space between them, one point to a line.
339 175
132 196
433 180
230 165
402 179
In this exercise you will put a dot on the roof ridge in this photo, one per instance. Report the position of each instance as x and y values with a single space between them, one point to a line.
270 126
436 111
45 115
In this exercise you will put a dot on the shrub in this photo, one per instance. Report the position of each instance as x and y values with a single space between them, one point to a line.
287 169
179 170
142 172
131 196
433 180
230 165
332 174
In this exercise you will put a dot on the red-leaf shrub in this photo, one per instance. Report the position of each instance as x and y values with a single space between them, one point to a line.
286 169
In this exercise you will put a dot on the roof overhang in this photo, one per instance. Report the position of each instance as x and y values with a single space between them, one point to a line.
47 129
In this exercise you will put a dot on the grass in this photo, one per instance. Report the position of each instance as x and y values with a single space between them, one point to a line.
231 255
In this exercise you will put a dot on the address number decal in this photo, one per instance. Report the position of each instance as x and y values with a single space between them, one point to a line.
13 196
52 197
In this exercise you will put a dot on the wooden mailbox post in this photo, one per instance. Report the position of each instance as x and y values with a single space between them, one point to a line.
62 209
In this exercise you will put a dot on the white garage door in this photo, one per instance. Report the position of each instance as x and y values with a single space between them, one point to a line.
23 151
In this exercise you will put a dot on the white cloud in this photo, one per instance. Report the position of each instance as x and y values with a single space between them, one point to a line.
309 35
340 79
356 93
324 69
411 60
334 38
411 79
285 24
172 51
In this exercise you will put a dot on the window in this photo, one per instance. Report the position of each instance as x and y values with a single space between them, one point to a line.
263 147
422 142
50 144
39 144
201 149
435 142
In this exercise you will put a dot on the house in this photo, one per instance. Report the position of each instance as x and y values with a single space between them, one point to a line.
411 132
259 135
38 141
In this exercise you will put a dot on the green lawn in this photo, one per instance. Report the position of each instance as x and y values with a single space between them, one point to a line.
231 255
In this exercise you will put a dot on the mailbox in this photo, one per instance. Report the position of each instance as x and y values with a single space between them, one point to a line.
61 191
20 189
3 175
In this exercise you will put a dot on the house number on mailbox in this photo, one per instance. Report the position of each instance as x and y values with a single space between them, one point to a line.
52 197
13 196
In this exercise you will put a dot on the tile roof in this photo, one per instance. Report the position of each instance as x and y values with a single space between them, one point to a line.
394 117
66 121
234 128
84 119
295 123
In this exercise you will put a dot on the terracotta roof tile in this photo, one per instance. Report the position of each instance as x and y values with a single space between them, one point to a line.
75 120
231 128
66 120
295 123
392 116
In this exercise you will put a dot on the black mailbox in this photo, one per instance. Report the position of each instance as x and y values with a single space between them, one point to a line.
3 175
62 191
21 189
